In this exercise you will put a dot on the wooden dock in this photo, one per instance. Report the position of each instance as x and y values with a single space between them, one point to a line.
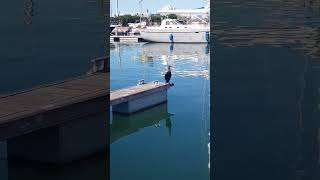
139 97
16 109
49 123
28 110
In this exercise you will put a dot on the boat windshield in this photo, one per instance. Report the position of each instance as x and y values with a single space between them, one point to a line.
175 22
172 22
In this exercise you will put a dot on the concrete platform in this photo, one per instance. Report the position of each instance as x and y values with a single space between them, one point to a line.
139 97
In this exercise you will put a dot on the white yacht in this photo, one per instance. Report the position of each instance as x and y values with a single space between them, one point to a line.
172 31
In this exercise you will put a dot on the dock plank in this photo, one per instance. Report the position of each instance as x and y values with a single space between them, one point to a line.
53 96
11 110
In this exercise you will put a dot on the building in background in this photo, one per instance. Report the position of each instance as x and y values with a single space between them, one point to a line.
203 12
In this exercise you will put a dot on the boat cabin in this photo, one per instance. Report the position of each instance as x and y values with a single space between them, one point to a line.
175 24
172 23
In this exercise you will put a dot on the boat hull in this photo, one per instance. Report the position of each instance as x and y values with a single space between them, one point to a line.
176 37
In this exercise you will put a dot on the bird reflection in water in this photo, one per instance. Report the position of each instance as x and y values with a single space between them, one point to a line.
125 125
179 56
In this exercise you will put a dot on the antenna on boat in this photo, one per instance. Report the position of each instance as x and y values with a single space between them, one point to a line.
117 7
140 3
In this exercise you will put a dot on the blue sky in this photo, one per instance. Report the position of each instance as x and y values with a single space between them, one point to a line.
131 6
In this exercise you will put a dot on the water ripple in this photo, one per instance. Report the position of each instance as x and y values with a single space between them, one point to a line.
278 23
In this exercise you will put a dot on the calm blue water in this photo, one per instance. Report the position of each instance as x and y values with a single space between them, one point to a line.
43 41
266 90
168 141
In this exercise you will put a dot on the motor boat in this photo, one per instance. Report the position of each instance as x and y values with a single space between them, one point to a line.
173 31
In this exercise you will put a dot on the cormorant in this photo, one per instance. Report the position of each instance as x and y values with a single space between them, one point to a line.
167 76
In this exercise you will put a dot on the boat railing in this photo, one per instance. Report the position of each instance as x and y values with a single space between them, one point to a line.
125 35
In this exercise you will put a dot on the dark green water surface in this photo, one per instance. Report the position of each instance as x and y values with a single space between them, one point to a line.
42 41
266 90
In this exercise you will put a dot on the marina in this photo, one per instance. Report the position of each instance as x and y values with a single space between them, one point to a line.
186 26
76 105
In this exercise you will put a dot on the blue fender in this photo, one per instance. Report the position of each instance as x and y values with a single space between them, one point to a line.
171 48
207 36
207 51
171 37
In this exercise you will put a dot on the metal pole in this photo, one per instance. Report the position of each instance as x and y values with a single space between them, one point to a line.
140 14
140 2
117 7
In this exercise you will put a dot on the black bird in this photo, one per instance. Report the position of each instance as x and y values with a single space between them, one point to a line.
167 76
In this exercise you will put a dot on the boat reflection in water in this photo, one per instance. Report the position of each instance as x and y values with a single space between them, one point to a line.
176 51
125 125
186 59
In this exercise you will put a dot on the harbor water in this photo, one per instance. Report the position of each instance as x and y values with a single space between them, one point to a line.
266 90
168 141
41 42
265 71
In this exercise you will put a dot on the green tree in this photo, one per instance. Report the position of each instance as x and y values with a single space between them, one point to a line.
125 19
172 16
128 19
156 18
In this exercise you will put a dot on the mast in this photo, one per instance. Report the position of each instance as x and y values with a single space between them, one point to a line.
110 9
140 3
117 7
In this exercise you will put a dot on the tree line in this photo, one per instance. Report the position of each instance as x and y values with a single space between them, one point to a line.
123 20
